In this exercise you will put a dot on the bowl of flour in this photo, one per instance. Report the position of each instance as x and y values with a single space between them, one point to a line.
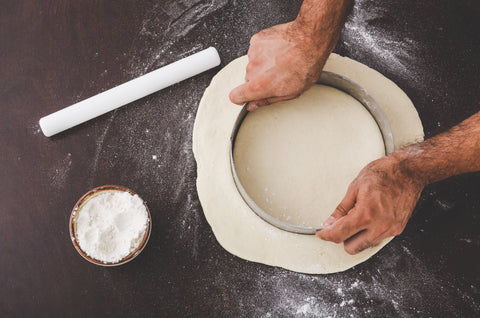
110 225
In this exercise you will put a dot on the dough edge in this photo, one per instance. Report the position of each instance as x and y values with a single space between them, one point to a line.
239 230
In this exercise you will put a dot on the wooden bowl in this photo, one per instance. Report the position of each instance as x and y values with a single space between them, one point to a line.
73 217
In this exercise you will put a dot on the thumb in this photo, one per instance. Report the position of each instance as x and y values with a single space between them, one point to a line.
238 94
250 91
342 209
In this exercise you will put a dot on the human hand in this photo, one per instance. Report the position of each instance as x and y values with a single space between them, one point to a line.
284 61
377 205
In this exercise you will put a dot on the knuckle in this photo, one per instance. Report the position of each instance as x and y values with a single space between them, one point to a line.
367 217
341 209
336 239
254 38
384 228
367 244
260 103
266 101
352 186
352 250
377 241
397 230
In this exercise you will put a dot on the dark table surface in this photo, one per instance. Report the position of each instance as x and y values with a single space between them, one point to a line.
55 53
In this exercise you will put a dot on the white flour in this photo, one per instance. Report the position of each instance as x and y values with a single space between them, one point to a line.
394 52
111 225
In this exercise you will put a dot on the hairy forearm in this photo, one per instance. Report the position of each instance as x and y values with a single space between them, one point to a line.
322 20
451 153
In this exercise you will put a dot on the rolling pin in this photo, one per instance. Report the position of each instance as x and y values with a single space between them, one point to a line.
128 92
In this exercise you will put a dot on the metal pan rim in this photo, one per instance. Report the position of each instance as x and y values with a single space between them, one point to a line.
336 81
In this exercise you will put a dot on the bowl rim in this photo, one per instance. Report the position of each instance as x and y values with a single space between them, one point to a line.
74 214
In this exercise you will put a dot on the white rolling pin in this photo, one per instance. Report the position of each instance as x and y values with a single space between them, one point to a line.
128 92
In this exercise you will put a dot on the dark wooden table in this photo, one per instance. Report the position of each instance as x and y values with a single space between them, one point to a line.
55 53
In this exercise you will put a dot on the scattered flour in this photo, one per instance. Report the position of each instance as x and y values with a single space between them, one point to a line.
168 23
392 50
59 174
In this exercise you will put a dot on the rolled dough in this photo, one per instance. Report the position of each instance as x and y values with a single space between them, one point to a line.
239 230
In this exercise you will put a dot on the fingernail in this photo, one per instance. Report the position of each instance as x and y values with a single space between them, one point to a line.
329 221
252 107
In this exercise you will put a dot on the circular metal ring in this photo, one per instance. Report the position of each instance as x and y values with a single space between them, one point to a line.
339 82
